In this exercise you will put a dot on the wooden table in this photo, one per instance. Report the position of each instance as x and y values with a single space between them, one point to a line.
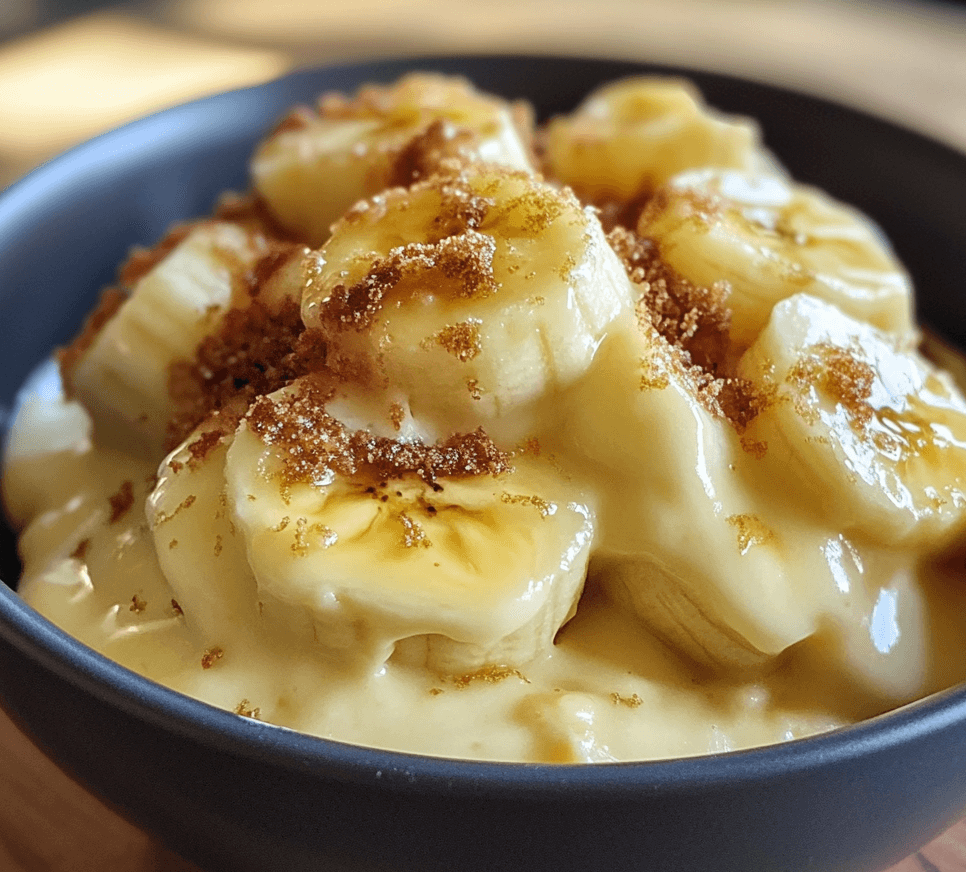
903 60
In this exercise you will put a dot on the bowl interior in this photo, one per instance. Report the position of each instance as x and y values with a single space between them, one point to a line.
66 227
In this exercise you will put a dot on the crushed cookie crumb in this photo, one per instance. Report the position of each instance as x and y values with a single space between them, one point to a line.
121 501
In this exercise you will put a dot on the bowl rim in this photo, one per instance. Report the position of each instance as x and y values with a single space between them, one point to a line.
64 656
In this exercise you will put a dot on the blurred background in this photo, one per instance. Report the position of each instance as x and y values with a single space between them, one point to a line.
70 69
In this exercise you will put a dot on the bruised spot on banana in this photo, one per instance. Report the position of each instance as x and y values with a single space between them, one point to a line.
477 294
454 573
770 238
318 164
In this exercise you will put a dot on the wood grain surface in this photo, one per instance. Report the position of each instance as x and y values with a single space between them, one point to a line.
59 85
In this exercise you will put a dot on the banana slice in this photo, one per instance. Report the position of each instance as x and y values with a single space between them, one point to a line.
199 553
382 540
122 375
629 137
770 238
316 165
876 435
719 566
475 294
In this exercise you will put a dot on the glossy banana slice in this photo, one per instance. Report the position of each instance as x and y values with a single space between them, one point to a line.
317 164
629 137
122 376
770 238
475 294
199 552
718 565
472 561
877 435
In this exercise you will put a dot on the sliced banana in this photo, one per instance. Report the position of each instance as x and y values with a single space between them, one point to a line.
877 435
198 549
722 571
629 137
122 377
476 294
770 238
482 569
316 165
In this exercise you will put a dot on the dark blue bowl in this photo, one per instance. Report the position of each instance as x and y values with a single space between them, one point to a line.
235 794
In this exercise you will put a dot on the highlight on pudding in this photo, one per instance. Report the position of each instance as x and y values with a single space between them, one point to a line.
598 440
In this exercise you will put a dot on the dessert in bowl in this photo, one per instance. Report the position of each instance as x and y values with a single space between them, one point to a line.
371 790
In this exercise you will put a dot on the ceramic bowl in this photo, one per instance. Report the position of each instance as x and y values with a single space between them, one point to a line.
235 794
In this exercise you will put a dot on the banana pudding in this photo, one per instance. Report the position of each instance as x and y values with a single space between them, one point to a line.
602 440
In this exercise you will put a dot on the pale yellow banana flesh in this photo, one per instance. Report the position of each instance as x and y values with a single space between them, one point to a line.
309 174
878 432
485 569
691 547
629 137
123 377
769 238
475 295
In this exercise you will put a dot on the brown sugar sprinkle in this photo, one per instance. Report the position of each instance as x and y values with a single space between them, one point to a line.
163 517
121 501
692 318
488 674
315 444
67 358
751 531
473 386
462 340
841 375
689 329
436 691
397 414
246 710
176 608
80 552
253 352
211 657
414 536
423 155
632 701
544 507
138 605
458 266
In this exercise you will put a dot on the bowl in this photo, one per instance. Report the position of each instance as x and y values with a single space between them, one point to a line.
232 793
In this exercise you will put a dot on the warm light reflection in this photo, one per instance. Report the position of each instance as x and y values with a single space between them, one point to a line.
66 84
